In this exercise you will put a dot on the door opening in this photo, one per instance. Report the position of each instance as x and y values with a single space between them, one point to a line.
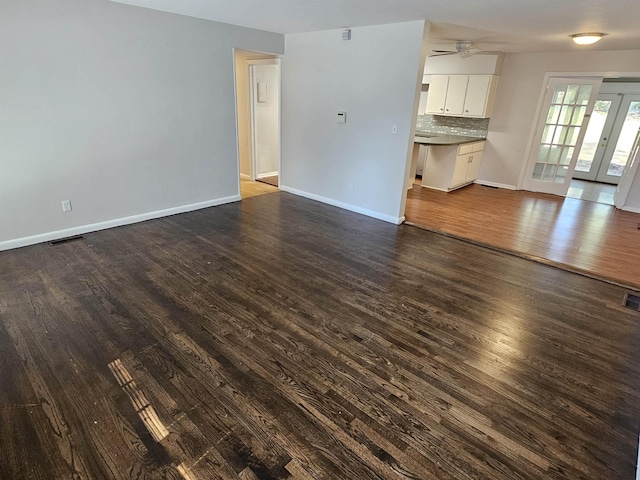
607 148
257 78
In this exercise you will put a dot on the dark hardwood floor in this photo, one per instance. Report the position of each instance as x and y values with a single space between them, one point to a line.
282 338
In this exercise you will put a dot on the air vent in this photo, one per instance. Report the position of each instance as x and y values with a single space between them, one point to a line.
632 301
66 240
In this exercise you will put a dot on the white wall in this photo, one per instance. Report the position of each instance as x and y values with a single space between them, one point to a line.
375 77
519 89
125 111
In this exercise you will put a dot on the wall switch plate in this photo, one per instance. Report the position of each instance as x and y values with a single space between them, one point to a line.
342 117
346 34
394 129
66 205
351 187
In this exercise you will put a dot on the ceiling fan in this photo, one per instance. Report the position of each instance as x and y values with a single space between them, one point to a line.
464 48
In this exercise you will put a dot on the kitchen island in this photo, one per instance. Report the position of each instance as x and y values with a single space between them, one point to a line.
449 161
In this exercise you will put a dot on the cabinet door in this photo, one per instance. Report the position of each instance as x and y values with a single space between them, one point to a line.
475 102
437 94
460 170
474 166
456 93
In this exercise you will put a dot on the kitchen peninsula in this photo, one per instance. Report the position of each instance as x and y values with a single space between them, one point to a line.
448 161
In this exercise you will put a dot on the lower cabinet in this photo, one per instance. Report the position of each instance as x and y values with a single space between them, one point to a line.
447 167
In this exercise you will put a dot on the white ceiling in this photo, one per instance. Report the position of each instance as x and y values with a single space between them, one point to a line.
496 25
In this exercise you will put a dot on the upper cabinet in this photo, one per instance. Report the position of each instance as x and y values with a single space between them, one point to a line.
462 95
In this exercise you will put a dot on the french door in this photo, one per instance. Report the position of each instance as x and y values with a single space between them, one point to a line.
560 130
597 136
614 126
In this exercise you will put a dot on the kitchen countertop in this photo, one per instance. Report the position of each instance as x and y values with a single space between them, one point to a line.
435 139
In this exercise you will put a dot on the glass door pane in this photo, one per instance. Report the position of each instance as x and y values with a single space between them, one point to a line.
593 135
625 140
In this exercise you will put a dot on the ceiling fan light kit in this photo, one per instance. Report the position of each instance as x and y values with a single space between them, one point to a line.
586 38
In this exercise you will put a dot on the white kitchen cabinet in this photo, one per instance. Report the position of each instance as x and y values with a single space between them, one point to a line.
481 92
448 167
462 95
456 94
437 94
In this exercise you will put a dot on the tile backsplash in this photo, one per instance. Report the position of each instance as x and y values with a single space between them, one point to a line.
469 127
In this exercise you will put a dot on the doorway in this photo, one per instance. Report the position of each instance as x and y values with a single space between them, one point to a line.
258 121
609 139
608 143
264 80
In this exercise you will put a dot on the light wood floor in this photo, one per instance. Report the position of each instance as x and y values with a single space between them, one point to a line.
585 236
250 189
281 338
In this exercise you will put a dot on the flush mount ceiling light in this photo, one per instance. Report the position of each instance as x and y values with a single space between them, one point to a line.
586 38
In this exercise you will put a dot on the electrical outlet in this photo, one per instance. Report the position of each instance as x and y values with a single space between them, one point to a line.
394 129
66 205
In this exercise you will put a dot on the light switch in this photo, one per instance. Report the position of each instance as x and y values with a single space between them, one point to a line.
262 92
342 117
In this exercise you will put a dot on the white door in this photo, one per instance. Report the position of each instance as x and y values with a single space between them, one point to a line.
597 136
265 117
623 135
567 106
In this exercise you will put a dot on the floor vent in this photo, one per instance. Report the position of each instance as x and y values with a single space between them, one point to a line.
632 301
66 240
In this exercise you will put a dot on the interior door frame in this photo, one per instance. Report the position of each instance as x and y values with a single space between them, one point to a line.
546 94
252 117
616 100
630 172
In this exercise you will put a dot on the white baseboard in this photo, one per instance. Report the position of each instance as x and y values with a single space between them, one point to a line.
245 176
631 209
346 206
268 174
495 184
118 222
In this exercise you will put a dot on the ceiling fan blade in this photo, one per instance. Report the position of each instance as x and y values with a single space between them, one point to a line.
443 51
443 54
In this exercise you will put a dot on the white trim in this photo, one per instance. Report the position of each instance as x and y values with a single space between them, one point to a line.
346 206
631 209
436 188
118 222
245 176
496 184
268 174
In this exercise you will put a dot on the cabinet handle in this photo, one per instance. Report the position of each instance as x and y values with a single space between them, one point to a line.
467 111
447 109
